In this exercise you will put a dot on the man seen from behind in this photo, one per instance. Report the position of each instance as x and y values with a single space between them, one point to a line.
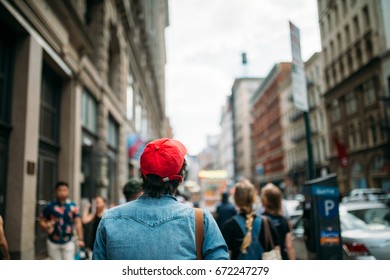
156 226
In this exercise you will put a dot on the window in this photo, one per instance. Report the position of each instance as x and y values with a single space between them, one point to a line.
359 57
347 35
112 132
113 63
350 62
373 130
138 114
377 164
366 17
341 66
344 2
130 97
89 112
332 53
352 137
339 43
6 61
351 103
145 125
326 55
369 92
369 48
356 26
50 104
335 111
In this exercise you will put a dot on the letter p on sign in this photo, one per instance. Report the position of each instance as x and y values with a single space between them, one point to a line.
329 206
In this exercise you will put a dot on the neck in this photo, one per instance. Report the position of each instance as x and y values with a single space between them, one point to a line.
62 201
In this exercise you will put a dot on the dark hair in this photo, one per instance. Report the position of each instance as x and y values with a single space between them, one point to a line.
132 187
155 187
61 183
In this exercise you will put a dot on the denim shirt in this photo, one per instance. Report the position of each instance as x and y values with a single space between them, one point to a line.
156 229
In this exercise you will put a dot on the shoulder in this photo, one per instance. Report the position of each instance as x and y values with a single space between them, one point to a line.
230 224
70 202
119 210
49 206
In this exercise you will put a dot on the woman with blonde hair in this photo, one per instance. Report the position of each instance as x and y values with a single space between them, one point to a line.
271 199
244 233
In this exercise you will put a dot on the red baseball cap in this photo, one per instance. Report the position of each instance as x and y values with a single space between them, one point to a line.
163 157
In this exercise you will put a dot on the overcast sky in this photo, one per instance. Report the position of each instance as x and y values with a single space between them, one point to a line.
204 42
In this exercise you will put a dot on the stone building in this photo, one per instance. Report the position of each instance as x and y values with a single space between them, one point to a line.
355 43
78 79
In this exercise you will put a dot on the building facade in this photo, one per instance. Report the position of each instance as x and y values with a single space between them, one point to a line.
242 92
77 79
355 43
269 150
296 144
226 143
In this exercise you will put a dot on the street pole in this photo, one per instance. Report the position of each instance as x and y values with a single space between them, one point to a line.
310 162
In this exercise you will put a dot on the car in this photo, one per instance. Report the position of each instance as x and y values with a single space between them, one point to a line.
365 232
373 213
366 194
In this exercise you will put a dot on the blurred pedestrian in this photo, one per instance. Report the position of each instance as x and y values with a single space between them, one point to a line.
245 233
58 220
133 189
4 253
94 217
271 199
156 225
225 210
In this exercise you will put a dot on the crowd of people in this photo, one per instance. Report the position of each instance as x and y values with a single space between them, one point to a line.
155 224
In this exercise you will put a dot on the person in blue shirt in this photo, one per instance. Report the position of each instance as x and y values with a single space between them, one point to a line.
58 220
156 226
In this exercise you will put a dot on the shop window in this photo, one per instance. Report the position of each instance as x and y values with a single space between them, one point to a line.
50 104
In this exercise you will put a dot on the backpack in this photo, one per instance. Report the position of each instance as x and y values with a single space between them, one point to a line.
255 249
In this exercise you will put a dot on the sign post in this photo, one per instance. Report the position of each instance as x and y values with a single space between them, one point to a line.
300 91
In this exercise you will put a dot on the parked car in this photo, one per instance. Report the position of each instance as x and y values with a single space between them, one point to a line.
365 232
367 194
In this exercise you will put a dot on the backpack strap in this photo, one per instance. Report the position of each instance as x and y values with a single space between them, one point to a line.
199 232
